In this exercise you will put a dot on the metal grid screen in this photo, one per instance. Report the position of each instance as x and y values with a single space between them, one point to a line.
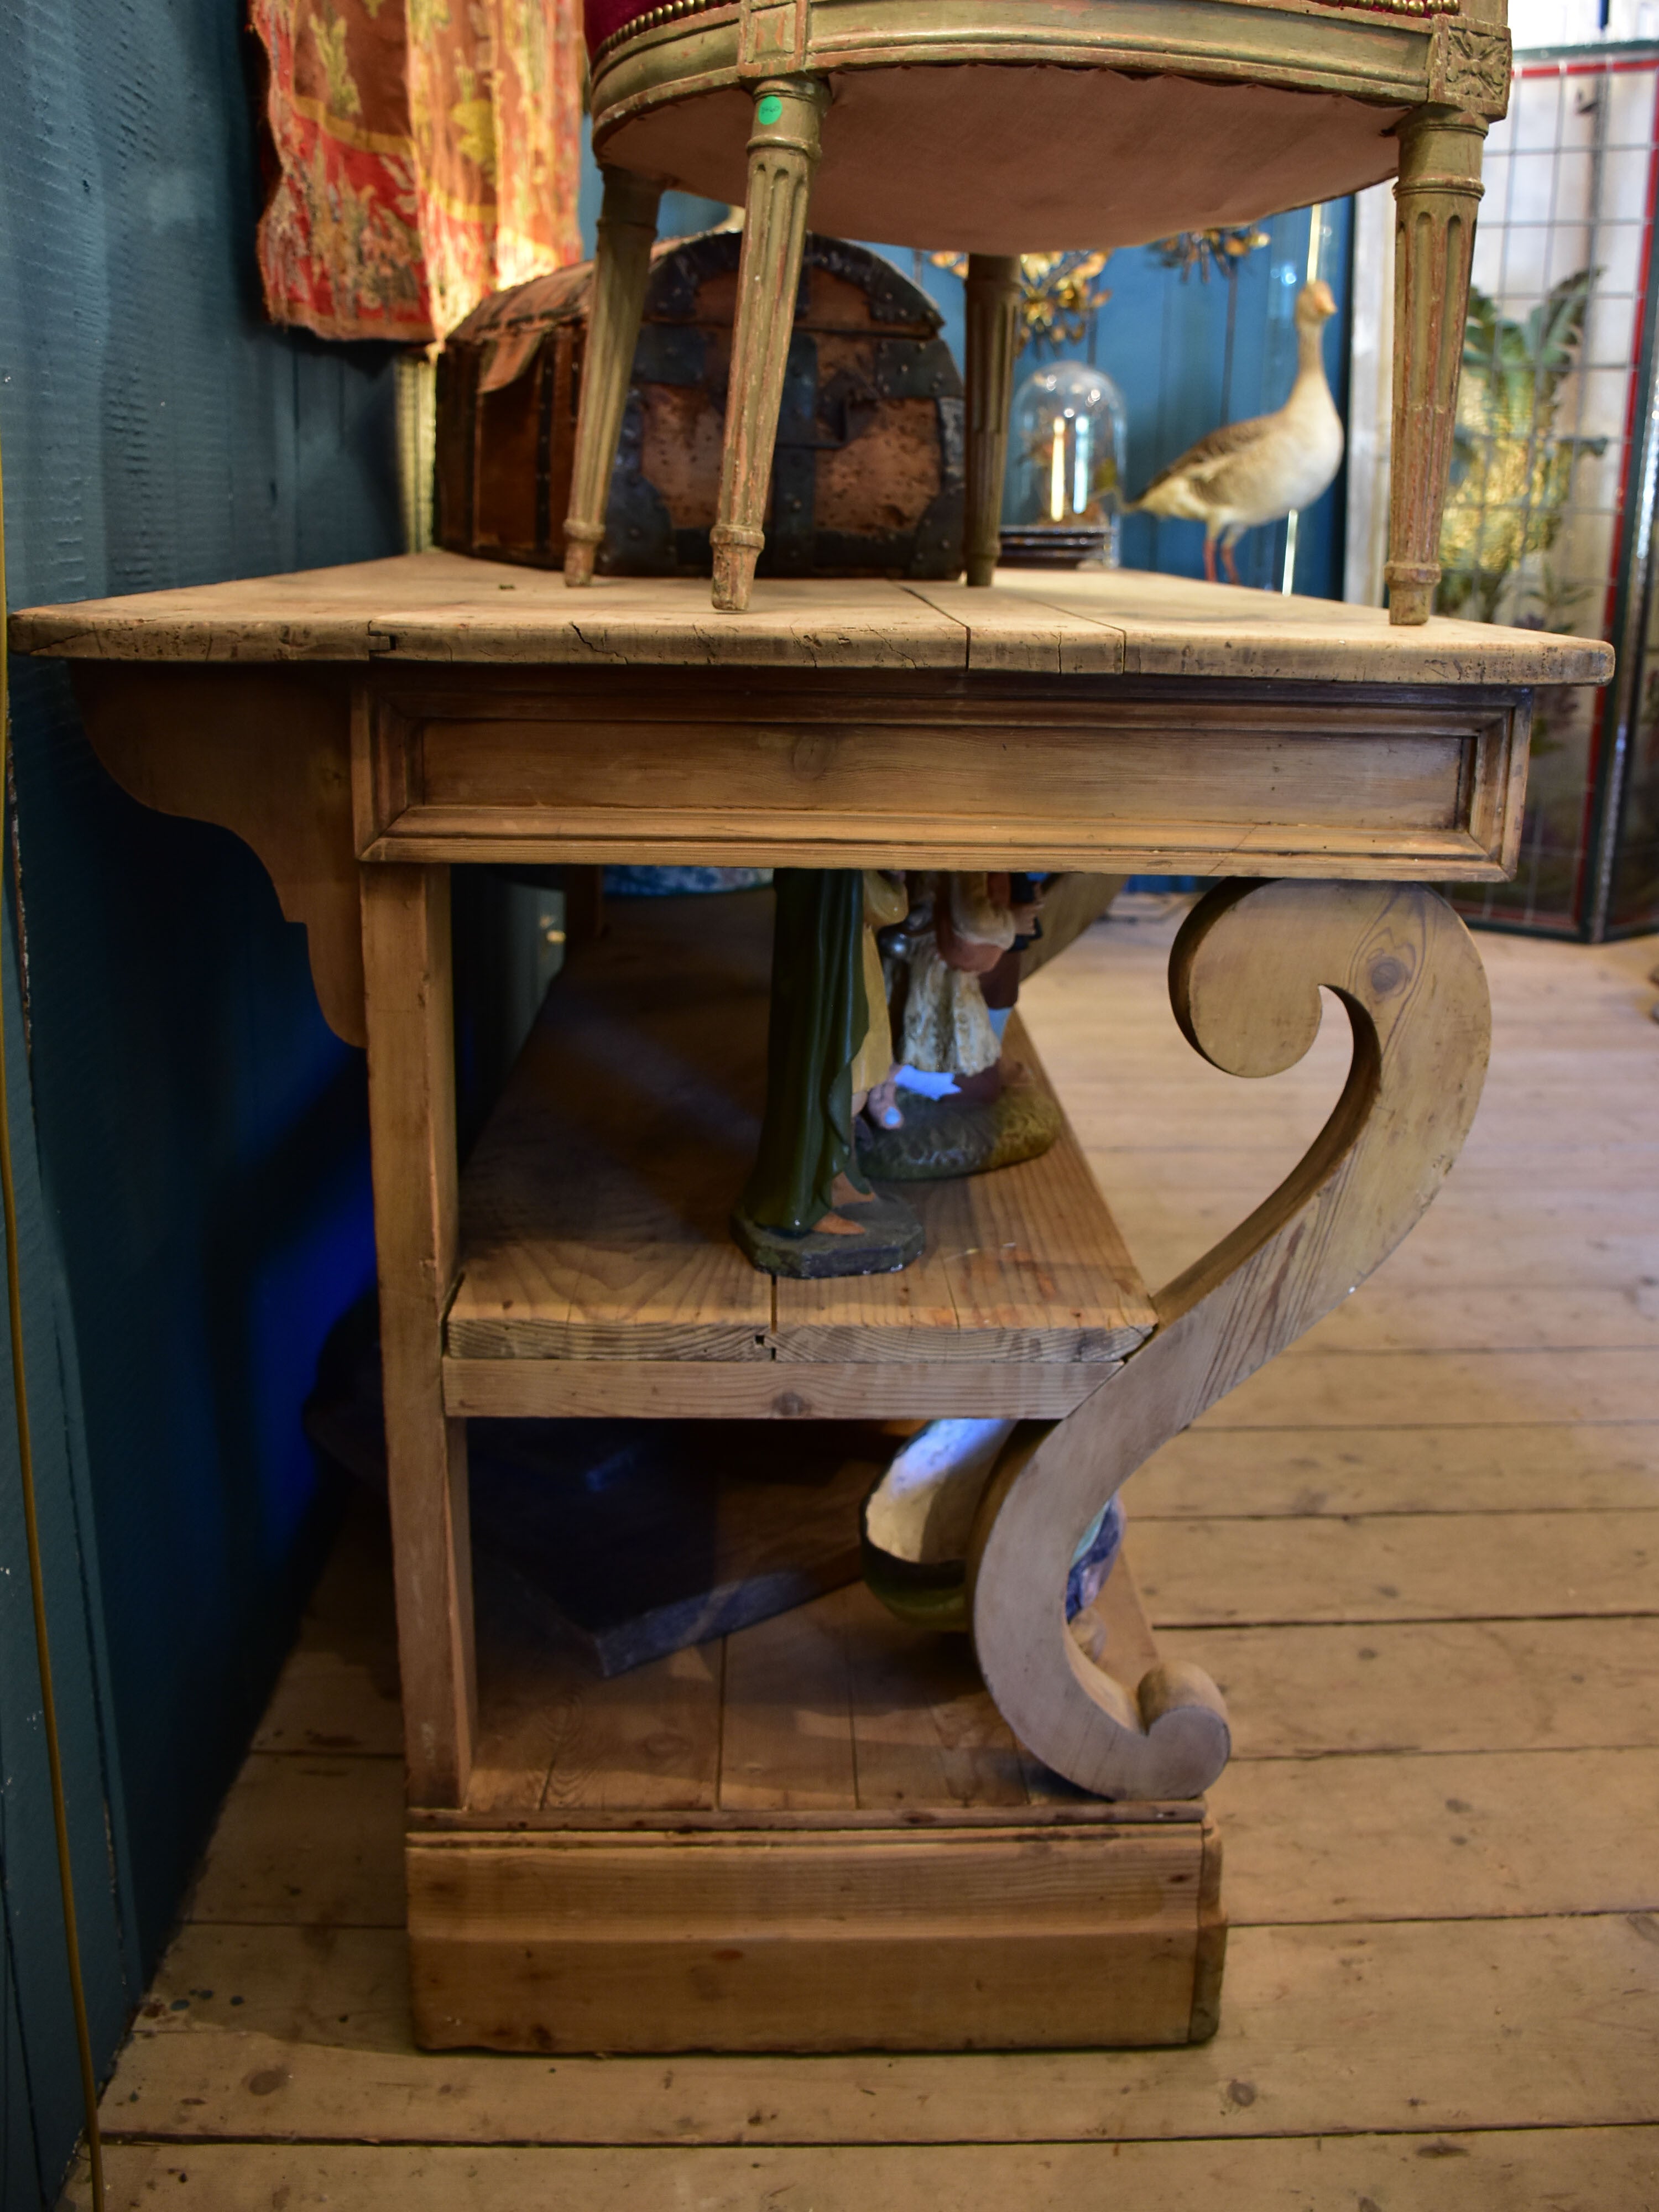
1628 847
1545 524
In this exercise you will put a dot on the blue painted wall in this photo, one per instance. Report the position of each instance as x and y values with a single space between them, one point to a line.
1162 340
192 1138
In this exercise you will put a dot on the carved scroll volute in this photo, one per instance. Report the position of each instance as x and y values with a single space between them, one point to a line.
1244 977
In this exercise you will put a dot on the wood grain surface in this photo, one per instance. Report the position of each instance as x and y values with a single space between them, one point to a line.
271 762
805 1943
595 1205
1581 2170
1245 976
835 1708
940 767
1331 2030
594 1214
822 1390
231 703
442 606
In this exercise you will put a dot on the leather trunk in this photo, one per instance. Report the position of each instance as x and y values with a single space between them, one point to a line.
868 474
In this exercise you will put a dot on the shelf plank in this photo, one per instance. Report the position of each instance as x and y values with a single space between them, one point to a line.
925 1730
791 1754
599 1274
759 1390
595 1206
1023 1265
835 1711
555 1740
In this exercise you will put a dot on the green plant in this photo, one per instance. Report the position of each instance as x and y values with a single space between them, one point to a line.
1511 475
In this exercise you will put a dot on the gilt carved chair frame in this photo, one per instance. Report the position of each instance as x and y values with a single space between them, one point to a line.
1444 74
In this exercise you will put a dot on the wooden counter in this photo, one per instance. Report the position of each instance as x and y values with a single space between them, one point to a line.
365 728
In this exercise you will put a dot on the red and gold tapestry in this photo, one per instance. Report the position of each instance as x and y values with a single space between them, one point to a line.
427 152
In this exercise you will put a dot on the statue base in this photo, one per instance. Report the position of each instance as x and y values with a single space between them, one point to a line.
889 1236
960 1136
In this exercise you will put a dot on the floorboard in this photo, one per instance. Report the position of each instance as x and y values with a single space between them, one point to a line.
1418 1554
1306 1472
1399 1566
1509 2022
1299 1691
1577 2170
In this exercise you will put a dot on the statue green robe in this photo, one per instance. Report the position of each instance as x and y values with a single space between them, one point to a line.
819 1014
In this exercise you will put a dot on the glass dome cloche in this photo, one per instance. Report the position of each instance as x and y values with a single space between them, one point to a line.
1063 499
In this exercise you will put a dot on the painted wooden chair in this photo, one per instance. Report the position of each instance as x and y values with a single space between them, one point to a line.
1005 126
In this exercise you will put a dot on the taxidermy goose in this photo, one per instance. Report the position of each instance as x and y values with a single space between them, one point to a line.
1246 473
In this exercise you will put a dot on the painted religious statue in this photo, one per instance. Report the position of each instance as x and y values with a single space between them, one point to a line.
890 992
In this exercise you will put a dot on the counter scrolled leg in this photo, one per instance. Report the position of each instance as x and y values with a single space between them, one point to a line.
1244 978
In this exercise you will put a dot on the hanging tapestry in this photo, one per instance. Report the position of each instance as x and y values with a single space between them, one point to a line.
426 152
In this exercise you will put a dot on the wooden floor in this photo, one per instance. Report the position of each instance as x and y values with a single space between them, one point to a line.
1419 1552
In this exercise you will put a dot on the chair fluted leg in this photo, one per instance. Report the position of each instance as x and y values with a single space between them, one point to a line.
627 229
993 306
783 152
1435 202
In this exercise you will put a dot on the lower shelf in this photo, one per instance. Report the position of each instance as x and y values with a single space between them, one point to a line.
815 1835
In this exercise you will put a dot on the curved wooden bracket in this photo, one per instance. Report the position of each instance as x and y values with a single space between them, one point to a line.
1244 977
266 756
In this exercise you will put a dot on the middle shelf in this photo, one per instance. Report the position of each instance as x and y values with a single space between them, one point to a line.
598 1273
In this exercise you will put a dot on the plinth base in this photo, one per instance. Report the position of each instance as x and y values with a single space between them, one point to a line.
817 1837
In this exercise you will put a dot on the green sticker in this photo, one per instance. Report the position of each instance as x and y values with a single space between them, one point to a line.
771 109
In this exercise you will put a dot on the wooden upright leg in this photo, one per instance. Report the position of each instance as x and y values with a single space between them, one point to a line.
1245 978
411 1111
783 152
992 341
1435 202
628 227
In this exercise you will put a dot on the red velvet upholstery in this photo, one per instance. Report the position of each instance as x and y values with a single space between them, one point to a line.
606 20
